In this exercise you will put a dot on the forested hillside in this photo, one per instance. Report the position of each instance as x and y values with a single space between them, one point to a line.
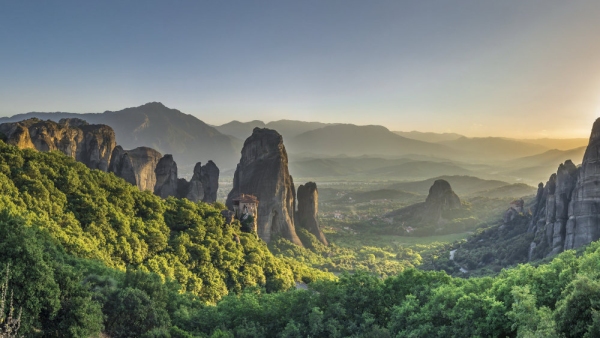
55 211
86 253
558 299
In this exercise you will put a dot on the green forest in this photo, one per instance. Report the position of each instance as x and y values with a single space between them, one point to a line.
84 253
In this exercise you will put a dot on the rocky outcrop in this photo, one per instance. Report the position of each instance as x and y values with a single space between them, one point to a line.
441 198
306 215
89 144
136 166
583 225
567 212
551 215
209 176
94 145
166 177
203 186
194 189
517 208
263 172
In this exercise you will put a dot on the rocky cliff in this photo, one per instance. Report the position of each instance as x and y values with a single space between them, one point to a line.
166 177
306 215
429 214
441 197
567 210
136 166
204 184
89 144
209 176
263 172
94 145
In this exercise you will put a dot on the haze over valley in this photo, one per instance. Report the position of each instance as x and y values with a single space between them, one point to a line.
300 169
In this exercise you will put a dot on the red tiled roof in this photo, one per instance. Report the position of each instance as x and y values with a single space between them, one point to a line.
246 199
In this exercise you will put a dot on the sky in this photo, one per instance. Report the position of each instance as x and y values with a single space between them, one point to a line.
525 69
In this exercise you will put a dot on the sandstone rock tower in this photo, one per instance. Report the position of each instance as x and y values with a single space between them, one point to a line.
306 216
263 172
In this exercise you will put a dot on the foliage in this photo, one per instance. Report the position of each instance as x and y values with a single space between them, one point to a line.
90 254
559 299
384 261
62 223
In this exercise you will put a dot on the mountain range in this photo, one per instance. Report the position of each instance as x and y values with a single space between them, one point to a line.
169 131
320 146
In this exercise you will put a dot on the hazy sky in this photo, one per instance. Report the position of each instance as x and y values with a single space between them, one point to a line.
500 68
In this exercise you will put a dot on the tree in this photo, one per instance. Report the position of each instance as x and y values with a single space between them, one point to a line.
9 324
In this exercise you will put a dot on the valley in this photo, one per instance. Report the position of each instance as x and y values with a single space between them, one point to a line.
300 169
317 220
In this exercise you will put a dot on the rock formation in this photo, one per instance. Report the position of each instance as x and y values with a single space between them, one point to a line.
136 166
306 216
194 189
517 208
567 211
94 145
263 172
89 144
166 177
210 181
551 214
441 198
583 225
203 186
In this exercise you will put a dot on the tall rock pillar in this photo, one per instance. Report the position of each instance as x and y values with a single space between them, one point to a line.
263 172
308 208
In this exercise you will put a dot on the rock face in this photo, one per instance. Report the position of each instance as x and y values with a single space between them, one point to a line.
94 145
89 144
209 176
583 226
441 198
567 211
551 215
263 172
136 166
166 177
203 186
194 189
306 216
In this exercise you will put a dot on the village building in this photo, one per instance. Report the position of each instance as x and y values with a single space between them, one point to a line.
245 208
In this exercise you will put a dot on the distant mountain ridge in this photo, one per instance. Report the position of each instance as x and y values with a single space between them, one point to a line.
167 130
287 128
429 136
374 167
494 148
190 140
356 140
457 146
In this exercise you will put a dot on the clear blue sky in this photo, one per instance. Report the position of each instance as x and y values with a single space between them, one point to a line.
512 68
